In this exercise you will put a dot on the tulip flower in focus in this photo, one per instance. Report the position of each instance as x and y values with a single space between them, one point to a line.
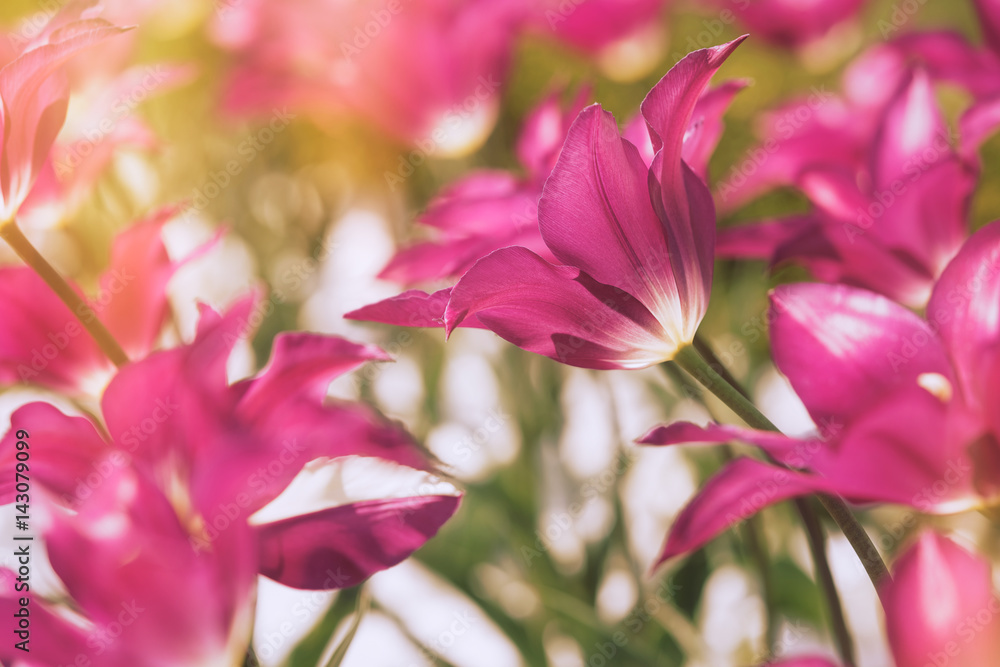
887 391
635 243
177 504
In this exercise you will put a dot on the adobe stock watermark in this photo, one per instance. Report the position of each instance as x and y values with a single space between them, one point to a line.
454 118
32 26
247 151
305 611
604 653
915 166
902 13
364 35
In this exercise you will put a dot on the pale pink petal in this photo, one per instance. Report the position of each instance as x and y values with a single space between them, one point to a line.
35 97
558 311
343 546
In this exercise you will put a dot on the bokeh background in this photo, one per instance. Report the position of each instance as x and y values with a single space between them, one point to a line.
548 561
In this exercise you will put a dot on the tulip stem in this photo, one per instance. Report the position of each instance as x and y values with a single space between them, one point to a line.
12 234
691 361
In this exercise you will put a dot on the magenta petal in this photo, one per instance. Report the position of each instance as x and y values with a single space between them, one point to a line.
41 341
595 214
342 546
934 604
66 453
412 308
740 490
302 366
844 348
965 305
706 125
133 301
63 641
911 129
678 433
559 312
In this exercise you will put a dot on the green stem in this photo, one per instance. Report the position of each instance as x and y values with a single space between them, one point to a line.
752 534
689 359
824 577
11 233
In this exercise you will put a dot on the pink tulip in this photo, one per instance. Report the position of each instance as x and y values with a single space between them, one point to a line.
887 390
427 72
940 608
491 210
895 232
657 308
167 505
625 38
86 150
35 95
787 22
43 343
635 242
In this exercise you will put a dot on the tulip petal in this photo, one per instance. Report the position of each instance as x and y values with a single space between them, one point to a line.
595 214
412 308
740 490
706 125
342 546
66 453
911 129
843 348
558 311
34 105
935 603
777 445
965 305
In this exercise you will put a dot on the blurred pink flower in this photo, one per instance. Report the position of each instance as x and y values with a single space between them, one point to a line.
889 222
42 342
949 56
489 209
85 151
595 25
35 94
636 241
427 72
167 506
887 390
478 219
940 608
787 22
